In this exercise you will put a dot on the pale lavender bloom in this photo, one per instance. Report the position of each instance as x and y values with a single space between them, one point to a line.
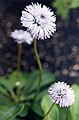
39 20
62 94
22 36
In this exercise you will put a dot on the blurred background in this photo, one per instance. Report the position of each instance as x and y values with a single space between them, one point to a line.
59 54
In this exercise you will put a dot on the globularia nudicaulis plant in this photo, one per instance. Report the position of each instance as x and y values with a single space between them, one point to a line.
39 22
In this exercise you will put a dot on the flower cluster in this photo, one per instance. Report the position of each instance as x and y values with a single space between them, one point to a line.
39 20
62 94
40 23
21 36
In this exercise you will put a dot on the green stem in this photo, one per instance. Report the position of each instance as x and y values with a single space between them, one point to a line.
45 117
38 61
18 60
18 70
40 68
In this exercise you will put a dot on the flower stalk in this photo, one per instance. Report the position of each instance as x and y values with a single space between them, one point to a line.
40 68
18 70
18 60
45 117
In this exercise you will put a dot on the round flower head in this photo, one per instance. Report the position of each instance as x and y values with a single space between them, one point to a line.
62 94
21 36
39 20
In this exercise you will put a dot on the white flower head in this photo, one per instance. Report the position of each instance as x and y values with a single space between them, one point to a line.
39 20
22 36
62 94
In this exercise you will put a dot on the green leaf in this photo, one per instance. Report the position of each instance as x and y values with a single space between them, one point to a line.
62 8
4 99
32 84
42 93
10 83
74 4
74 109
23 78
4 84
47 78
63 113
45 105
10 111
24 112
37 108
3 90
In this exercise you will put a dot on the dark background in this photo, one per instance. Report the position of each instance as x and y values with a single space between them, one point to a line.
59 54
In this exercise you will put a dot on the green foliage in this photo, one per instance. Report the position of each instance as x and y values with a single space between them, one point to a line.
59 113
63 113
9 111
16 100
74 113
74 4
46 104
63 7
